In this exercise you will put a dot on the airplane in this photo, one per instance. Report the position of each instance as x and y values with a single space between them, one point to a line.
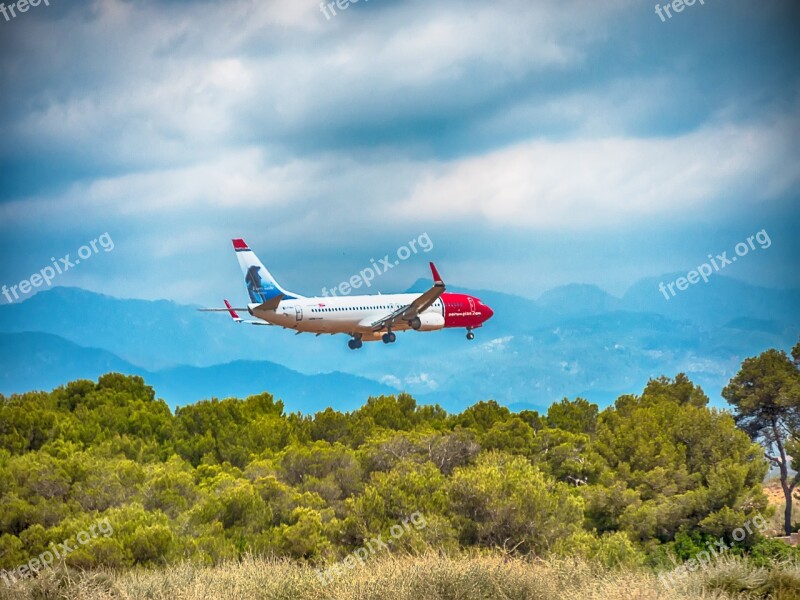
367 318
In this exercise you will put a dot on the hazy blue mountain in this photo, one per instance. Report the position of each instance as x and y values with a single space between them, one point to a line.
152 334
306 393
717 302
763 325
573 340
578 300
40 361
598 357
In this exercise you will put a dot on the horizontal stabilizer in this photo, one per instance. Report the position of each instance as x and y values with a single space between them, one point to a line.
271 304
234 315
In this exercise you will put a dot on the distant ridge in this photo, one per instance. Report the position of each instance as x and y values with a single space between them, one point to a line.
40 361
573 340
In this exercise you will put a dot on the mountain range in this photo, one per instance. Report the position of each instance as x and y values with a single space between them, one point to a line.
574 340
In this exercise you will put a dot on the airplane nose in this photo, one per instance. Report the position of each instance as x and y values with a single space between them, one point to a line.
487 312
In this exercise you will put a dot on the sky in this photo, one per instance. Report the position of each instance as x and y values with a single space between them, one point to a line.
535 143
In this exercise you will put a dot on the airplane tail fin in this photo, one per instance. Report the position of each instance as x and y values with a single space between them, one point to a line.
261 286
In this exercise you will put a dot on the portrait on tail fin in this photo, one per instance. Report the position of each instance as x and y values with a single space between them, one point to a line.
255 285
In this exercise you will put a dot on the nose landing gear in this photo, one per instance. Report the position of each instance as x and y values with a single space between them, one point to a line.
355 343
470 335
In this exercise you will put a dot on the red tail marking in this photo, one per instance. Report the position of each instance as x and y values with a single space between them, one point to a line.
230 309
435 273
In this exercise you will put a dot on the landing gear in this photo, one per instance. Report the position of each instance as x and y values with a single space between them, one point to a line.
470 335
355 343
389 338
415 323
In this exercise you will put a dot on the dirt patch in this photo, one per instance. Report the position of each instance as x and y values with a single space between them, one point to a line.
774 493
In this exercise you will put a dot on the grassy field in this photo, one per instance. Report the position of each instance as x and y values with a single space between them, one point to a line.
430 577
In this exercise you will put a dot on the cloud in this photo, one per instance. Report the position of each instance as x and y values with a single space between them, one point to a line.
590 183
176 82
422 380
498 344
586 183
177 125
392 381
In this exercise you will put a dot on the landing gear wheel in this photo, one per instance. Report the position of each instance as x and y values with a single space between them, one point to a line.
415 323
389 338
354 344
470 335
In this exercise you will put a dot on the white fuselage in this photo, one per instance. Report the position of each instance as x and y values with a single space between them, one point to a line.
347 314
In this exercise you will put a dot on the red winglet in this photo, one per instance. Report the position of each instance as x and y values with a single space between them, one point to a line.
239 245
230 309
435 273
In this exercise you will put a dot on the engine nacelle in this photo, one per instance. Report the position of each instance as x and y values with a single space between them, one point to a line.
428 321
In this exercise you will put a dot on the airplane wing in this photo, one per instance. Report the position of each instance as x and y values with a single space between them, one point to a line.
234 315
411 311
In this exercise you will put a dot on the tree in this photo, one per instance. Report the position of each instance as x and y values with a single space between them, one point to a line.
579 416
221 478
330 470
392 412
681 390
305 536
504 501
672 463
765 394
569 457
481 416
514 436
329 425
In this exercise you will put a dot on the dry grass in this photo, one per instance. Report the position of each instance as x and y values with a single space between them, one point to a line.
431 577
